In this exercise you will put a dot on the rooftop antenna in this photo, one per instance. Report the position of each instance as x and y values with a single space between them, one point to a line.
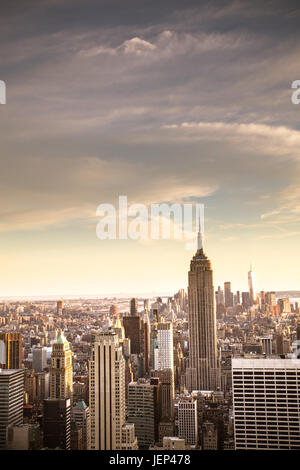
200 236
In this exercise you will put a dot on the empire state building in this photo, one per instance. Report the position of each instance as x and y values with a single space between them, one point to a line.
203 372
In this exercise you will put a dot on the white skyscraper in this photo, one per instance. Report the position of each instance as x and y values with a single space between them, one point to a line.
266 403
107 394
39 359
188 420
164 353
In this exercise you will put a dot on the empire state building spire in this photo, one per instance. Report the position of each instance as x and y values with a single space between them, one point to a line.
200 239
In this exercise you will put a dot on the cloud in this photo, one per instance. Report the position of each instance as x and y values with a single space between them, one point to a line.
137 46
276 140
270 214
279 236
188 105
169 44
42 219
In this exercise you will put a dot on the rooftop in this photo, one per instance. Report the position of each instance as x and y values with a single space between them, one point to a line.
80 405
9 371
265 363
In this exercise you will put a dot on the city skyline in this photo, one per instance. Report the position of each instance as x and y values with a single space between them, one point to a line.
54 295
180 103
238 285
177 366
150 228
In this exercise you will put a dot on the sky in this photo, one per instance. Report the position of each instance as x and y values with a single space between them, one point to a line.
165 101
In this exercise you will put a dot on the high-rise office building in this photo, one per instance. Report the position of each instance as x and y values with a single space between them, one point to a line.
113 310
209 436
181 298
270 298
246 299
12 350
281 345
81 415
76 436
11 401
153 346
228 294
179 366
203 372
284 305
137 329
143 410
298 331
60 306
57 423
129 440
267 345
134 307
266 403
42 385
220 302
155 313
188 420
220 297
36 386
23 437
164 351
251 285
39 359
30 386
107 393
166 378
61 372
132 327
145 342
262 298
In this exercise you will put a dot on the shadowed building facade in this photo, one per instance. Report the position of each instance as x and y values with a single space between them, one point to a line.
137 329
144 410
57 423
11 401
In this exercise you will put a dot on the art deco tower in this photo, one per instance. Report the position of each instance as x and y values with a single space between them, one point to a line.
107 396
61 372
203 372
